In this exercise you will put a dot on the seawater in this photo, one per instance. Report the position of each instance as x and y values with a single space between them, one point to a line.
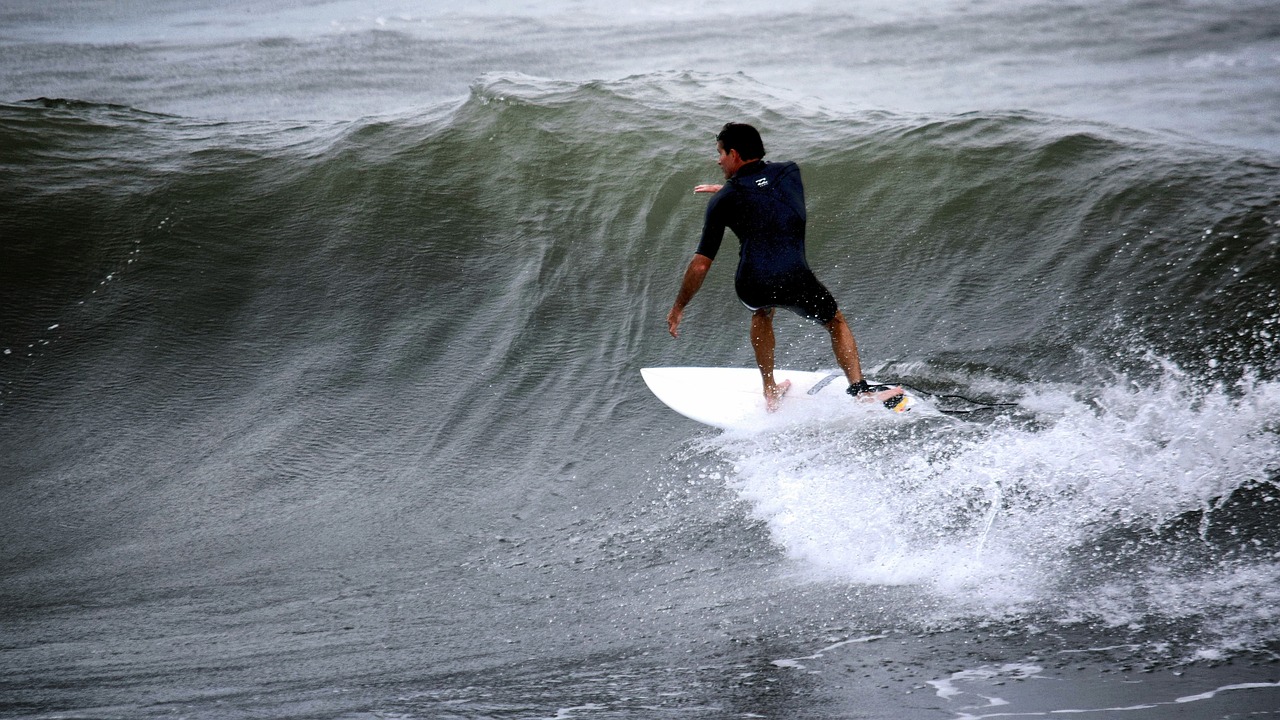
321 333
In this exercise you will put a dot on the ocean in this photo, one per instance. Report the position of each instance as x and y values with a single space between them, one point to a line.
321 326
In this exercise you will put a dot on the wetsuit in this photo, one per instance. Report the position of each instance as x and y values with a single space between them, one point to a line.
763 203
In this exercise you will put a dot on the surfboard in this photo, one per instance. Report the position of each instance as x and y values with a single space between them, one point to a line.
732 398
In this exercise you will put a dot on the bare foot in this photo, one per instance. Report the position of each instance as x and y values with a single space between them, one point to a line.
883 396
773 400
897 401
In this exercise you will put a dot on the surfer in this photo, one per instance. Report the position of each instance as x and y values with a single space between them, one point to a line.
763 203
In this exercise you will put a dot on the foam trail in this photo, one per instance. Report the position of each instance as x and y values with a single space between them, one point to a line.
993 518
795 662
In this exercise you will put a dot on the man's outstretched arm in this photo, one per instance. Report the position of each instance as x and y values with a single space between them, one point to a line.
693 277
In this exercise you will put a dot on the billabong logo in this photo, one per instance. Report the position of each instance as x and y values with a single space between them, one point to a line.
762 182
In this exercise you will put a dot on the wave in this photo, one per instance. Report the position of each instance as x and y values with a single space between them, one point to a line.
505 262
988 228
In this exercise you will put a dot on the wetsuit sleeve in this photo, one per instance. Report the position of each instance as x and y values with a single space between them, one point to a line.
712 227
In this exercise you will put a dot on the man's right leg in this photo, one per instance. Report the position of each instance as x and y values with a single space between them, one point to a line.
846 349
762 342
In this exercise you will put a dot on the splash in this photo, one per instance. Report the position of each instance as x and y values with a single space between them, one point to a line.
1038 509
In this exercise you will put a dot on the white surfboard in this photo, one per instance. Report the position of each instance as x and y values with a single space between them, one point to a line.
733 398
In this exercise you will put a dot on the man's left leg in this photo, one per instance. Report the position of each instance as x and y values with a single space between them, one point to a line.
762 342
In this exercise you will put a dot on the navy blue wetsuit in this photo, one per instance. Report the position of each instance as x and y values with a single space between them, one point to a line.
763 203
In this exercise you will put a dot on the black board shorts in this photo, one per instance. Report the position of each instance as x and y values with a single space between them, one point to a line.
798 291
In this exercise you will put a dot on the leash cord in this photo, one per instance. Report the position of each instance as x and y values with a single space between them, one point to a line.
981 405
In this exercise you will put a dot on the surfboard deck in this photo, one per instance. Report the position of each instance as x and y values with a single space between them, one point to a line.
733 399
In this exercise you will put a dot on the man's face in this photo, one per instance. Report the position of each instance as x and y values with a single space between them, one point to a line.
729 162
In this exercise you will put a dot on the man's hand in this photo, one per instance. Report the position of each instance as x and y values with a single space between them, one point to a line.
707 188
693 276
673 320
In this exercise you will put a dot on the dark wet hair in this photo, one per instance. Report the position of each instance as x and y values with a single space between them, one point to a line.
743 138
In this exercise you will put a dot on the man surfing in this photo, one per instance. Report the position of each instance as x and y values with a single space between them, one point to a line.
763 203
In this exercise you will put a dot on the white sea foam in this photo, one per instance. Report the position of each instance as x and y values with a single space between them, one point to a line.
994 517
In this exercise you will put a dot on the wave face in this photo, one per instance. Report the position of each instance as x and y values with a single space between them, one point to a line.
268 384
